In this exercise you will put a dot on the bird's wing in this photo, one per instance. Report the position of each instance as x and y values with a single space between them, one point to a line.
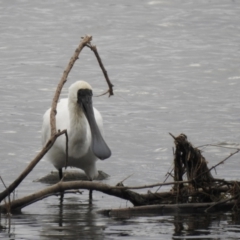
46 127
62 120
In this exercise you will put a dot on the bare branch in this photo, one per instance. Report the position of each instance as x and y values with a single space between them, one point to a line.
152 185
73 59
230 155
110 85
18 204
221 162
216 145
31 165
172 136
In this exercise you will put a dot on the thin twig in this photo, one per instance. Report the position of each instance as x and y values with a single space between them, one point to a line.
167 176
172 136
152 185
66 163
221 162
110 85
220 202
121 182
9 199
216 145
103 93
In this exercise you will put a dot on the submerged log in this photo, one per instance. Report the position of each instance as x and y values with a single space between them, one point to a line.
167 209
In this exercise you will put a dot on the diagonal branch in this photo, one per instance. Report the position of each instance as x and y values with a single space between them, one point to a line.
221 162
110 85
31 165
59 187
73 59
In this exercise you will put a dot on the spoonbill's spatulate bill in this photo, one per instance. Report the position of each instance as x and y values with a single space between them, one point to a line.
84 127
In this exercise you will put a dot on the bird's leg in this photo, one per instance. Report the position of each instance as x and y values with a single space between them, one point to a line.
61 198
60 173
60 178
90 195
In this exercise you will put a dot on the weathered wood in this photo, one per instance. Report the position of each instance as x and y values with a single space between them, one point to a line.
166 198
167 209
60 187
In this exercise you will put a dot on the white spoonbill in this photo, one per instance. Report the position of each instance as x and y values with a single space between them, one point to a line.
84 126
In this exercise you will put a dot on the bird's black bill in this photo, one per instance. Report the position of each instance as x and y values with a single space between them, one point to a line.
99 147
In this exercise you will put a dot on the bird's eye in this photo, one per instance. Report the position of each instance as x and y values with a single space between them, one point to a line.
84 93
80 93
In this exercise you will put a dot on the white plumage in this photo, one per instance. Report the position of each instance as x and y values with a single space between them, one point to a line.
85 144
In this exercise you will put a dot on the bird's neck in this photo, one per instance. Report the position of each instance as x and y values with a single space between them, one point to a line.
77 117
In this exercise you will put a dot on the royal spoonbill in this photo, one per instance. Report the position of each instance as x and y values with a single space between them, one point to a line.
84 127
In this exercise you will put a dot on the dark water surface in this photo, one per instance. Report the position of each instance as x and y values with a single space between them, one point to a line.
176 68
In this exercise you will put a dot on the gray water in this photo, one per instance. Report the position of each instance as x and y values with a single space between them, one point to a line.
175 66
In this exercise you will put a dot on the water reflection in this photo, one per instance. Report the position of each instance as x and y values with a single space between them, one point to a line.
189 225
209 226
73 219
